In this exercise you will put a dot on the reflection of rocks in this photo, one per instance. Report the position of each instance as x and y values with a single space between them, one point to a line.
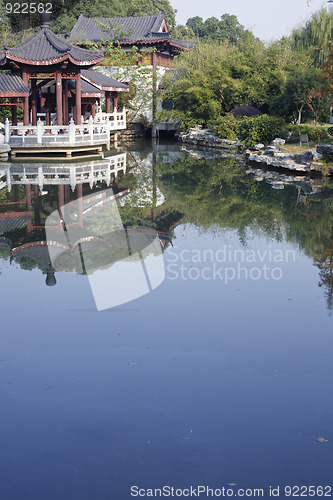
202 137
278 181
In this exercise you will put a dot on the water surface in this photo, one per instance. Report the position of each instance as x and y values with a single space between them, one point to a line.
220 375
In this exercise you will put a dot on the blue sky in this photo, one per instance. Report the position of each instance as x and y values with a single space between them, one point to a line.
269 19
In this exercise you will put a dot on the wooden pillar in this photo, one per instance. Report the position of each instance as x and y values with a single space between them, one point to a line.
115 100
59 97
42 104
14 110
78 98
108 101
93 110
25 78
66 115
48 107
34 102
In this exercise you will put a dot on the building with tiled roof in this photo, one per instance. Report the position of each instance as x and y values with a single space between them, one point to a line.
146 31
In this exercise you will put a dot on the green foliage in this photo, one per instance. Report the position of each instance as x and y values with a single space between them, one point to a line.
214 78
315 134
261 129
183 32
330 131
319 135
295 99
225 126
227 29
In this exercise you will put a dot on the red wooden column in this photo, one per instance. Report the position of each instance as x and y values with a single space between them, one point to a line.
14 110
115 100
48 107
108 101
59 97
65 102
25 78
78 98
34 102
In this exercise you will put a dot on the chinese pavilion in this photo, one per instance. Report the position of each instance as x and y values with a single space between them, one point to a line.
56 75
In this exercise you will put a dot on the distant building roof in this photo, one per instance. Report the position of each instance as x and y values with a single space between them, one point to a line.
142 27
143 30
12 85
45 47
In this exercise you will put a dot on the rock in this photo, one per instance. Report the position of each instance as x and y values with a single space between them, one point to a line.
270 150
308 157
258 147
325 150
278 142
197 135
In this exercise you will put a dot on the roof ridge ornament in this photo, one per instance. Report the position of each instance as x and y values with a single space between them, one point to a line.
45 18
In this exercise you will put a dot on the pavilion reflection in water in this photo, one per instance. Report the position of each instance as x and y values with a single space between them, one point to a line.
75 226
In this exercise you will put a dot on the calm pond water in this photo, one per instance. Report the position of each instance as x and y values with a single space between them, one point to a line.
219 376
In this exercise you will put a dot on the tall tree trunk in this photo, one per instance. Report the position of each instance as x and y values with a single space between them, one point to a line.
300 114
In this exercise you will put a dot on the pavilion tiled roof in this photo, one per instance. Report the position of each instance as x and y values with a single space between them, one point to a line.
11 84
103 82
45 47
147 29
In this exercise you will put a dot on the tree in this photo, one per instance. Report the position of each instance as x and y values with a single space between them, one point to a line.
226 29
314 37
294 98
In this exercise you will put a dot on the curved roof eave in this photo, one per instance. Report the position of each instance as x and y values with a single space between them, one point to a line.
52 62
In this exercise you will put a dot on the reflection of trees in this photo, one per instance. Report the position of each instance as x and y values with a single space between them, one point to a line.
220 194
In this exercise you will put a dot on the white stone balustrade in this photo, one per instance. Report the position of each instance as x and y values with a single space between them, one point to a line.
92 131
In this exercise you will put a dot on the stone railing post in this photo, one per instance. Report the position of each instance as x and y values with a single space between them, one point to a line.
71 131
39 131
91 127
108 126
7 132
